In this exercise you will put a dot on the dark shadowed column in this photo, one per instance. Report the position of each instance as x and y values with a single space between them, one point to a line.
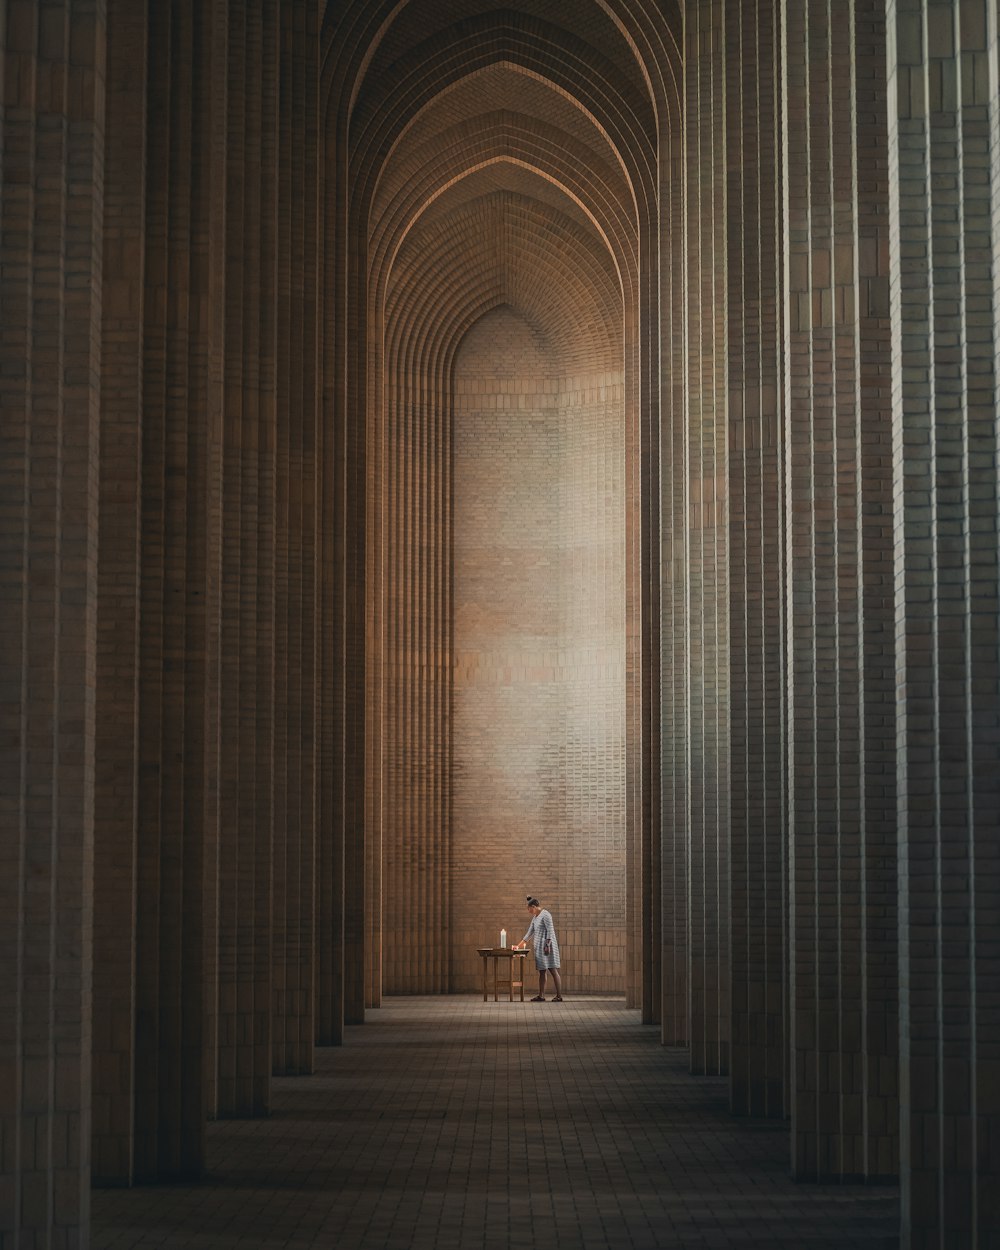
840 701
295 687
178 702
248 564
50 282
117 750
944 147
330 565
756 585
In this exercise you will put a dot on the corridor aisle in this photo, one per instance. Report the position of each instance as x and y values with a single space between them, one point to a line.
453 1124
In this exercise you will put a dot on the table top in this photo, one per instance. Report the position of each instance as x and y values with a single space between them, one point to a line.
500 950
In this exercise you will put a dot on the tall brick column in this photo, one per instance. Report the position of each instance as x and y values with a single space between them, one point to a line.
413 696
247 764
50 282
945 257
343 905
838 592
332 538
707 521
756 574
181 560
331 565
118 622
298 528
671 823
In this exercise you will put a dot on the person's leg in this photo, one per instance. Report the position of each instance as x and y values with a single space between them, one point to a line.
541 980
556 981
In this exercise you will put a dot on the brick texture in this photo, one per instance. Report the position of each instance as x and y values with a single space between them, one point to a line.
252 531
495 236
50 282
451 452
943 129
538 710
707 965
756 564
118 590
666 936
178 818
297 782
839 653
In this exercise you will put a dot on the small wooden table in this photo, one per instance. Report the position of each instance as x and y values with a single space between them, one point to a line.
500 955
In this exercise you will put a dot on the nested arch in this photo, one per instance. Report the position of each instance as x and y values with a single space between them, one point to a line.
503 85
353 35
507 173
502 159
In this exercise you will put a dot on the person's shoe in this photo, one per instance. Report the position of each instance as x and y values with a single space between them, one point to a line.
557 999
537 999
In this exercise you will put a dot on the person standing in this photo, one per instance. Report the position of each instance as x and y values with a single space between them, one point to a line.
543 933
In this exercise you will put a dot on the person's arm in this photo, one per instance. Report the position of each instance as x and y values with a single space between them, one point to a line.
531 929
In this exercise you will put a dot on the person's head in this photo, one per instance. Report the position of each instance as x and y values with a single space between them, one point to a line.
533 905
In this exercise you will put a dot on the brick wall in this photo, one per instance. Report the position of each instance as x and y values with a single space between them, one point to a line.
435 764
538 703
553 240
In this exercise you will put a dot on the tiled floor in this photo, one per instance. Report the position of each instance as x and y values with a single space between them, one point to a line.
451 1123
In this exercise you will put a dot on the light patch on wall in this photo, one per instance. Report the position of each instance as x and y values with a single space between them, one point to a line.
539 649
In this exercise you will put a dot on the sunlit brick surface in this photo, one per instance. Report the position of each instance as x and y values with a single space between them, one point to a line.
453 1124
539 754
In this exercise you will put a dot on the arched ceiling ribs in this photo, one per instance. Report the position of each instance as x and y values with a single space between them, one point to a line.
497 156
355 33
528 244
429 351
654 32
563 290
496 122
554 56
514 252
616 237
553 112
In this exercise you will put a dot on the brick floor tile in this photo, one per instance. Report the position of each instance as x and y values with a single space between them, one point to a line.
461 1125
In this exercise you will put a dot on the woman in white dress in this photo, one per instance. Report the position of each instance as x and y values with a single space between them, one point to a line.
543 932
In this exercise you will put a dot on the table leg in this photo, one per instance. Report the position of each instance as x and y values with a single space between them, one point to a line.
485 996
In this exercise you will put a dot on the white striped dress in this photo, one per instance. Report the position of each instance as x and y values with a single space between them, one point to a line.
543 930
